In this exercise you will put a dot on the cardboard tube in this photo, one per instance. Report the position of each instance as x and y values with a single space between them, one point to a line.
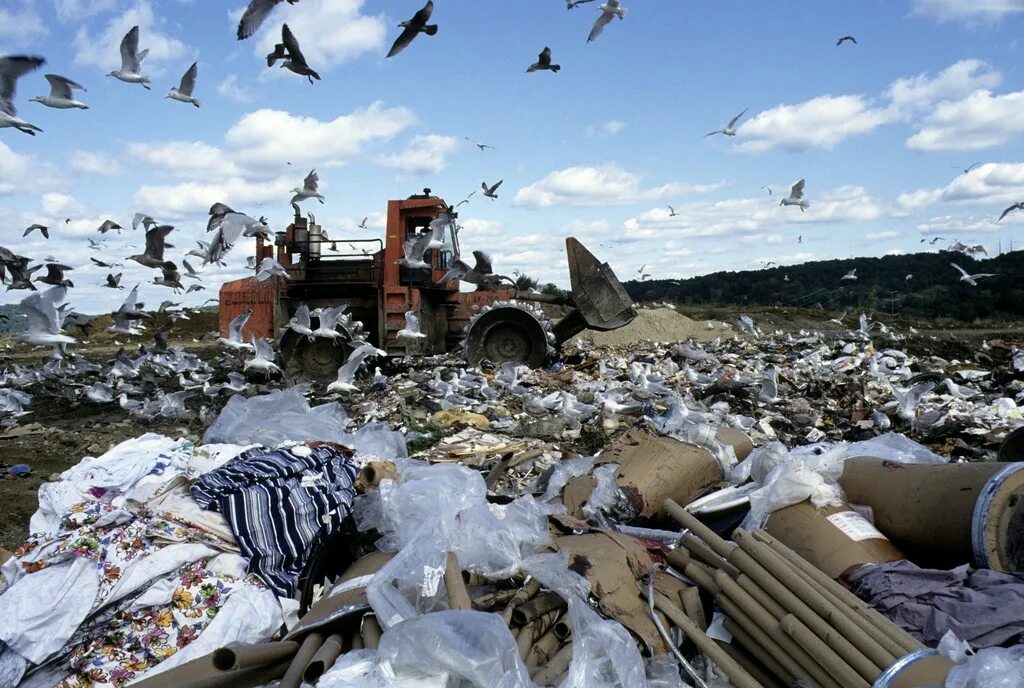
737 676
699 550
693 607
548 674
542 651
538 606
864 615
744 609
836 667
824 612
533 631
370 630
678 558
969 511
765 655
785 597
237 657
693 524
310 644
531 588
323 659
356 641
702 578
245 678
749 664
488 601
458 598
765 600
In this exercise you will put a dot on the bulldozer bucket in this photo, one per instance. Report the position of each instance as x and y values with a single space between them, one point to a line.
598 295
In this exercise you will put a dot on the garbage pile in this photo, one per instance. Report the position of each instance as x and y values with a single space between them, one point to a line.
772 512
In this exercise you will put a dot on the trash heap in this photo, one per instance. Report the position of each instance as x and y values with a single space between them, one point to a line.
739 513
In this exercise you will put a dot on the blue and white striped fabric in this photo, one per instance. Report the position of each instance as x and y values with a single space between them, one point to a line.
277 502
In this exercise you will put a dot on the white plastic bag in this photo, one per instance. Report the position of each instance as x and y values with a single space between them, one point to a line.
275 418
993 667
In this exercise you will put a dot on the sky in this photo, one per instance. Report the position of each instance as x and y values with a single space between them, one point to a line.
879 130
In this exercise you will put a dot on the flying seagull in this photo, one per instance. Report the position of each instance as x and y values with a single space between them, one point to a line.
411 331
672 212
362 225
288 50
188 84
768 189
481 146
970 279
61 96
131 60
146 221
544 62
851 275
844 39
573 4
966 170
12 68
489 191
480 274
255 14
55 275
45 231
44 319
413 27
730 128
309 189
413 249
796 196
1019 205
234 339
109 225
114 281
608 10
153 256
264 359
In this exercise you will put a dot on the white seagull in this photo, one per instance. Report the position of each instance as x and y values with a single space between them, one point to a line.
61 96
234 339
131 60
309 189
264 358
730 129
300 322
411 331
183 93
851 275
609 10
268 268
44 320
970 279
796 197
347 372
12 68
490 191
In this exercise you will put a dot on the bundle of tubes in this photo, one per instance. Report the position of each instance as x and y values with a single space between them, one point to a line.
789 621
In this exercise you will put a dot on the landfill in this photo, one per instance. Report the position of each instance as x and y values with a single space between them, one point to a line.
772 509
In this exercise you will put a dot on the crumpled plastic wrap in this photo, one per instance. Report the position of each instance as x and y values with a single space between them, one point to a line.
474 646
361 669
378 440
278 417
563 473
994 667
604 654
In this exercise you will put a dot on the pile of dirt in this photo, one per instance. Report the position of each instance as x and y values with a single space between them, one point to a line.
659 325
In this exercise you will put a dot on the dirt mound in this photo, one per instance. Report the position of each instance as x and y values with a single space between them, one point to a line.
659 325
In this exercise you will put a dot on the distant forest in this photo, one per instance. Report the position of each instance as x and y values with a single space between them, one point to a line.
935 290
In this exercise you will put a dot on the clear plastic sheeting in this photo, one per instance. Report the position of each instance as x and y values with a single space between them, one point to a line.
604 654
433 510
994 667
360 669
696 427
563 473
473 646
378 441
663 672
804 475
278 417
605 493
892 446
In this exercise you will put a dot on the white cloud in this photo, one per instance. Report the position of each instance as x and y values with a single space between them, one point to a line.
92 163
20 23
821 122
585 227
994 184
880 236
230 89
921 198
20 173
896 252
195 198
274 137
981 120
186 159
967 10
956 81
75 10
330 32
425 153
596 186
476 227
103 49
609 128
58 204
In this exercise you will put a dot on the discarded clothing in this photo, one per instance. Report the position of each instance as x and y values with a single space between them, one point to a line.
983 607
277 502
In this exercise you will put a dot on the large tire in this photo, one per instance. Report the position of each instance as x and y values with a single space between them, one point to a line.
507 334
314 360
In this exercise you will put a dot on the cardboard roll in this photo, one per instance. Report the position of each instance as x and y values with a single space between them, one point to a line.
834 539
964 512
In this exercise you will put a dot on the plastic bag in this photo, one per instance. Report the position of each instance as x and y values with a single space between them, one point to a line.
378 440
790 484
760 463
993 667
604 654
562 474
275 418
893 446
663 672
605 493
474 646
360 669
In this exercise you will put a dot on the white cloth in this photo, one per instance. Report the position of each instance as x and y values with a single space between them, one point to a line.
43 609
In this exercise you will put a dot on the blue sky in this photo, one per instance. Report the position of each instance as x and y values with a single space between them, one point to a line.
598 150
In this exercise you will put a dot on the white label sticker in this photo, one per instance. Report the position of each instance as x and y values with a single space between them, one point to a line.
431 580
855 526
